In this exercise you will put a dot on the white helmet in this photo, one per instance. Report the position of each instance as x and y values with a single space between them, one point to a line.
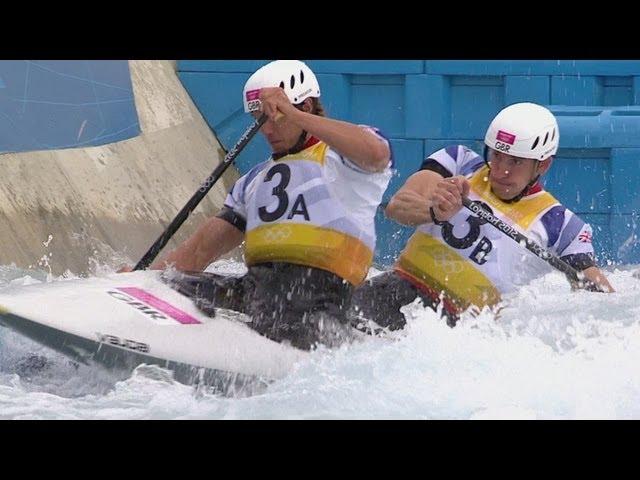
524 130
293 76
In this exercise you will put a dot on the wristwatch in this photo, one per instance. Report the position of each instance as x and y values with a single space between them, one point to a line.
433 217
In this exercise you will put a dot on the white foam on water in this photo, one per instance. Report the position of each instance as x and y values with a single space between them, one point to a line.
551 354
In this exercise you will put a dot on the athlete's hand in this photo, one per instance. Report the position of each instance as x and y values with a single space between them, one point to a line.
125 269
276 104
446 199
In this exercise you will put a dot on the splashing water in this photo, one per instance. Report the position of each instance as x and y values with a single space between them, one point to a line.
551 354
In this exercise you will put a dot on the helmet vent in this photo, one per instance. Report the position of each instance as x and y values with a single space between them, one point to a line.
301 76
535 144
546 137
292 82
553 135
282 85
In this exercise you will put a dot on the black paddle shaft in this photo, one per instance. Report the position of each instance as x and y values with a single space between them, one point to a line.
529 244
197 197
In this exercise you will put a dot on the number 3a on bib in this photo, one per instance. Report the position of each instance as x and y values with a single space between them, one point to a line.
299 208
280 191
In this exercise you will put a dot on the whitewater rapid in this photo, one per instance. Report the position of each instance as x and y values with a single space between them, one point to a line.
551 354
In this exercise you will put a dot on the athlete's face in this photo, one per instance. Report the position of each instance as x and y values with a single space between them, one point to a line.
510 175
281 134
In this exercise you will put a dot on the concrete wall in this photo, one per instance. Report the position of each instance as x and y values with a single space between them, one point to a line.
77 208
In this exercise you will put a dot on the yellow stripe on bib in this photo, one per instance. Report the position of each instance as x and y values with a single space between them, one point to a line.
315 153
309 245
440 267
523 212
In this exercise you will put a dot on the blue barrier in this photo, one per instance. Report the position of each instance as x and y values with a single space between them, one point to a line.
424 105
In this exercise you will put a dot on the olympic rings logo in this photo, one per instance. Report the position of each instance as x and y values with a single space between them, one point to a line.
277 234
448 262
